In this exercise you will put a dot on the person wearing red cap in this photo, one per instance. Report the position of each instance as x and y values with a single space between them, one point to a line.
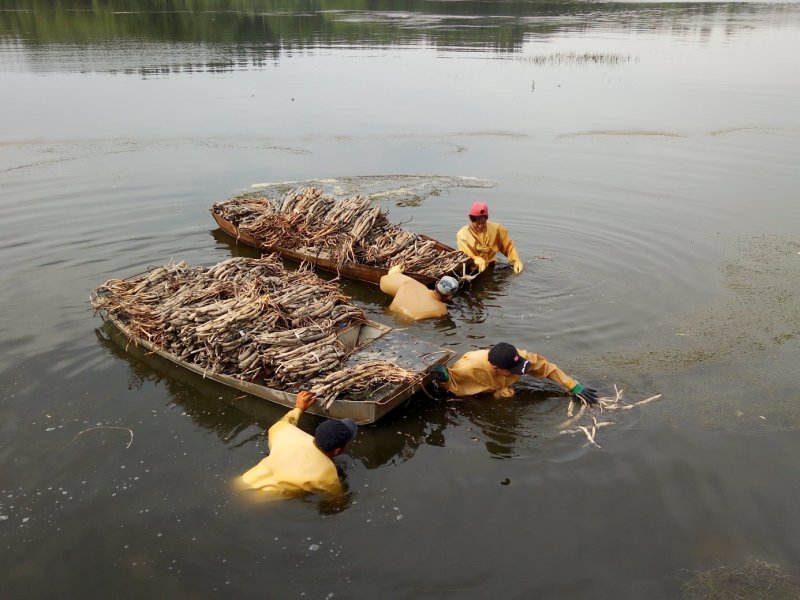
481 239
299 463
497 369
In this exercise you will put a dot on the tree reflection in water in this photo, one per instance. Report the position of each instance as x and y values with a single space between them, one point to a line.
164 37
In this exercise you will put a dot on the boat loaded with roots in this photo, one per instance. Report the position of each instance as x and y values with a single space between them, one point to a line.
351 237
256 327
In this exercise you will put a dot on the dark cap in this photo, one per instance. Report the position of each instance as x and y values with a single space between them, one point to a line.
505 356
335 433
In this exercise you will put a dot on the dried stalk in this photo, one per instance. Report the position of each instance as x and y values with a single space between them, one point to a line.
128 429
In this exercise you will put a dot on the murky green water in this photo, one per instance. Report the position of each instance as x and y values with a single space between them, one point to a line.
644 157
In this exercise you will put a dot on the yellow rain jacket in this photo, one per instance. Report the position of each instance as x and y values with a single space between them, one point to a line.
473 374
294 465
486 245
411 298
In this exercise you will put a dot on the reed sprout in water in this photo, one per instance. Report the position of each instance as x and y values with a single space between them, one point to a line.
578 59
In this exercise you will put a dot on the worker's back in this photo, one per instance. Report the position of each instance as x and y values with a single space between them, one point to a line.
294 465
411 298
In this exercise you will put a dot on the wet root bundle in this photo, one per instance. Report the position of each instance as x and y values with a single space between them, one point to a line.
359 380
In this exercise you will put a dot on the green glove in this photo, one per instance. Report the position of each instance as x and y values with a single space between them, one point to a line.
588 394
440 373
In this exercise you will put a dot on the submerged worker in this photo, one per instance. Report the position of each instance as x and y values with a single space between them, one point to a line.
298 462
413 299
481 239
497 369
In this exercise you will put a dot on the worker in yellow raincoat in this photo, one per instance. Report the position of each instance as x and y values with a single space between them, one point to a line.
497 369
481 239
413 299
299 463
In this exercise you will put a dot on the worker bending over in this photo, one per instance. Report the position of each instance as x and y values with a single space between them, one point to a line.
413 299
297 462
481 240
496 370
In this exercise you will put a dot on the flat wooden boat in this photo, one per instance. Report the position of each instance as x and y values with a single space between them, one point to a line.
367 341
350 270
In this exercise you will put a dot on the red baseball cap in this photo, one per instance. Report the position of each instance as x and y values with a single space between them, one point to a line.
479 209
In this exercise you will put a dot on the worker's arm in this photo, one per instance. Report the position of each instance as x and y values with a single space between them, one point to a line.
540 367
508 248
291 417
302 402
464 241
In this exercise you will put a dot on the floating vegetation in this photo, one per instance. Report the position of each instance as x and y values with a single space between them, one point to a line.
622 133
755 580
403 190
741 343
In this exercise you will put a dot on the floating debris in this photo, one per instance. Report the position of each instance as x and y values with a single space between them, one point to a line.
590 412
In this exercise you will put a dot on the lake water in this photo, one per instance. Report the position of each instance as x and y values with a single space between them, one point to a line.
645 160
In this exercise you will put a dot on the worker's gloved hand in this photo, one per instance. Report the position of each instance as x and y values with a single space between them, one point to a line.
440 373
480 263
396 269
588 394
518 266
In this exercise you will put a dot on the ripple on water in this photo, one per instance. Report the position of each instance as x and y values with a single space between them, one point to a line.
751 328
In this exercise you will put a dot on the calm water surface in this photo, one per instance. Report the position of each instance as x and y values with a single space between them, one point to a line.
644 157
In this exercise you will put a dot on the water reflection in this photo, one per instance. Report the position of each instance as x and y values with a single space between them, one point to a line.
158 38
475 299
511 427
228 417
231 415
236 249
